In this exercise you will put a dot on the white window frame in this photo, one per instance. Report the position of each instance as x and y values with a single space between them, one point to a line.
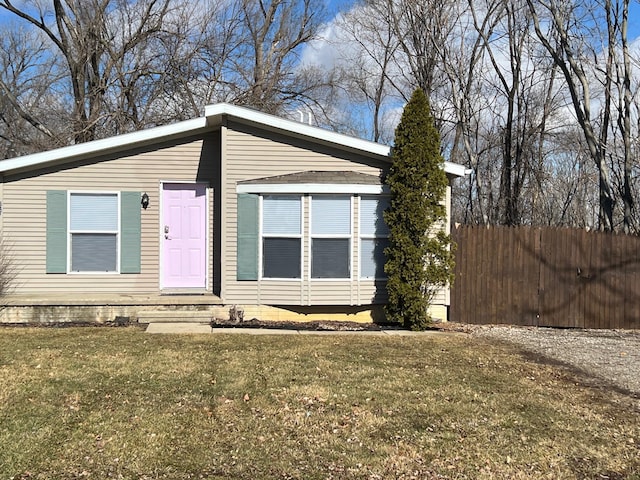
367 236
71 232
348 236
264 235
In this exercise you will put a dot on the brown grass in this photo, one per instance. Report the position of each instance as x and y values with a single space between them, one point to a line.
100 403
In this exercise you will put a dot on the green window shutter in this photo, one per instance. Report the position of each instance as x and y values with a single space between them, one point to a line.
130 232
56 231
247 259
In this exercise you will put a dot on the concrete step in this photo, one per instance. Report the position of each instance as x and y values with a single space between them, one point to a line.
178 327
175 316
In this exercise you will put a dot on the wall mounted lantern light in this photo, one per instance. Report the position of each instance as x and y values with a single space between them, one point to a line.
145 200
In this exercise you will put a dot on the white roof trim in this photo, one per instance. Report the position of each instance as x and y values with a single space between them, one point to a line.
106 145
264 119
332 188
456 169
290 126
213 117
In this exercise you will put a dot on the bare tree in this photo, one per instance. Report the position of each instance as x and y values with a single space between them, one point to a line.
505 92
572 54
7 268
501 98
261 71
422 28
25 73
618 24
462 61
88 39
368 68
128 64
520 117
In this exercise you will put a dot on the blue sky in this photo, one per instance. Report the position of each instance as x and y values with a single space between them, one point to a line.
335 6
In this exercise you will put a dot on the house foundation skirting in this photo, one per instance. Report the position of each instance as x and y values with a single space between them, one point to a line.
168 308
179 308
22 309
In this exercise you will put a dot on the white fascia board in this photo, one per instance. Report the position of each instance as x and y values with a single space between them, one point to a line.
214 112
329 188
106 145
213 118
456 169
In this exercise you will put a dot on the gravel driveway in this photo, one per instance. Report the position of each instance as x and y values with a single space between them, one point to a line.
609 358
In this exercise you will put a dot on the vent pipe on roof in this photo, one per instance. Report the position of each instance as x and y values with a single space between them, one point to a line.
308 114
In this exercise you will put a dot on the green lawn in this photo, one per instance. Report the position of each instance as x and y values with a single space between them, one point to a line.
119 403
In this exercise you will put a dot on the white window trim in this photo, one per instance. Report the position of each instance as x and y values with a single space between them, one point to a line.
263 235
348 236
70 232
367 236
311 188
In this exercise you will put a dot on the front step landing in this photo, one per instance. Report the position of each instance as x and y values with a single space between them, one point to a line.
183 327
177 316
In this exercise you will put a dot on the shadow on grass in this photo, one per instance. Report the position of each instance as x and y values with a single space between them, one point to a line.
582 376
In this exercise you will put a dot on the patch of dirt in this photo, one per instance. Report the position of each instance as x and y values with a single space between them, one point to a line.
70 324
328 325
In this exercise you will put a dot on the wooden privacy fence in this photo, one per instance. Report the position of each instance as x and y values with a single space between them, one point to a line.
556 277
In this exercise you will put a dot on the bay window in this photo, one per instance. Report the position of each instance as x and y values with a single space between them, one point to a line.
312 235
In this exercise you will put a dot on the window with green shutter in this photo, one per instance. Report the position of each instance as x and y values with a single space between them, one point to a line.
312 231
94 227
102 233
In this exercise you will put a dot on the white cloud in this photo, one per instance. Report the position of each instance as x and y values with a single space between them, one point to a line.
322 51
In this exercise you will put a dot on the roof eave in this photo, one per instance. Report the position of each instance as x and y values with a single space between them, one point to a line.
213 118
456 169
215 114
105 146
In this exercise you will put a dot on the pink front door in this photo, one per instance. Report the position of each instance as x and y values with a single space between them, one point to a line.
183 235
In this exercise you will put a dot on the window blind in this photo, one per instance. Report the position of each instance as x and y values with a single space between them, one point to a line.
94 212
371 216
331 215
281 215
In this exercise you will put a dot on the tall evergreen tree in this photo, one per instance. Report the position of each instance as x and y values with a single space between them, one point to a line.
419 257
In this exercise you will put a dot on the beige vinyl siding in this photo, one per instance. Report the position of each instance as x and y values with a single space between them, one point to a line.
270 292
24 214
442 295
333 292
234 154
306 243
251 154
